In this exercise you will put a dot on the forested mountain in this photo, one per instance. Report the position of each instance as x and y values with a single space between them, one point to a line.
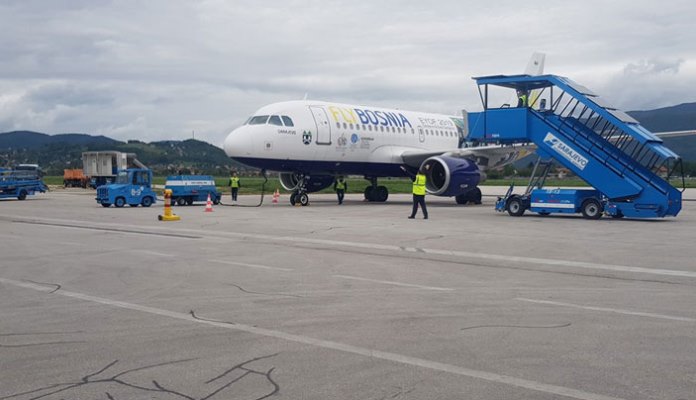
57 152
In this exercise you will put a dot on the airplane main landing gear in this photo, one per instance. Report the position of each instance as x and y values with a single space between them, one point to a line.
472 196
376 193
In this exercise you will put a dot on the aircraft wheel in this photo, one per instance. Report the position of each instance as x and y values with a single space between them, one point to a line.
591 209
381 194
180 201
303 199
292 198
369 193
514 207
462 199
120 202
475 195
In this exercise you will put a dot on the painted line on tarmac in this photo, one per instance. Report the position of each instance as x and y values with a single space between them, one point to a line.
257 266
153 253
385 247
327 344
611 310
465 254
96 228
357 278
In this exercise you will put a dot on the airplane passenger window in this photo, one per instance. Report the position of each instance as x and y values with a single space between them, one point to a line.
258 120
351 126
413 131
338 125
345 126
381 128
275 120
369 127
393 129
288 121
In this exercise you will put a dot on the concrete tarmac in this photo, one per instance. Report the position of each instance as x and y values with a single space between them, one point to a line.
342 302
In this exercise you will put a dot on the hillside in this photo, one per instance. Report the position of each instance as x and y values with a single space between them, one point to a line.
675 118
57 152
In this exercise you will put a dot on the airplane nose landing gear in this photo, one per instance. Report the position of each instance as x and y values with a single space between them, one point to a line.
299 196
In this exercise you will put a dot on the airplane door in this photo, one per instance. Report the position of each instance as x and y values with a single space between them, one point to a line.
323 125
421 135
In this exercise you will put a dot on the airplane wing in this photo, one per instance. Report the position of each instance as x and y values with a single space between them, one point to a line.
485 157
673 134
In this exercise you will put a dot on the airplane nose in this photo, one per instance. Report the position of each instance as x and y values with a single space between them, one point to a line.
236 144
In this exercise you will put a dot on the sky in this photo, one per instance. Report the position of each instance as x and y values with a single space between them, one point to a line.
171 69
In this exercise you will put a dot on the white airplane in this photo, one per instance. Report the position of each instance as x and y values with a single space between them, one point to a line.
311 142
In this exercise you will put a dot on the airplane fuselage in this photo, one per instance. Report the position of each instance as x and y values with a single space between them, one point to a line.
331 138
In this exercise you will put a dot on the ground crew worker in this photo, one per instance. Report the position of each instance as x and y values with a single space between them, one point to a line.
522 98
234 185
340 186
418 191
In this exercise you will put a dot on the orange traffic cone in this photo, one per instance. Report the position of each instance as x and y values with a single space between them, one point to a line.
209 205
275 196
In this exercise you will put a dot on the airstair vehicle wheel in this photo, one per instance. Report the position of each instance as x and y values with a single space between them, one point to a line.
515 207
106 205
22 195
120 202
591 209
180 201
216 200
189 201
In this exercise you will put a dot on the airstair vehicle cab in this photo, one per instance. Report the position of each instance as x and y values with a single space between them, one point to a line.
627 165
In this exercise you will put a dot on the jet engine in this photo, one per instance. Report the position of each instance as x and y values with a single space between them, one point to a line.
314 183
450 176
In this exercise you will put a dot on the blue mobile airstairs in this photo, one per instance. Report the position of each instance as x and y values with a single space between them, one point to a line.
627 165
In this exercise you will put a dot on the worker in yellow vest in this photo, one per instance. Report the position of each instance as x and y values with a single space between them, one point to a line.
340 186
522 98
419 191
234 185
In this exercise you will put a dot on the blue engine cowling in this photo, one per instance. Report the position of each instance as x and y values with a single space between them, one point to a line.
315 183
450 176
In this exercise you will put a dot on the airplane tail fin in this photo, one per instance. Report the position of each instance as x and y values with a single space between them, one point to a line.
535 66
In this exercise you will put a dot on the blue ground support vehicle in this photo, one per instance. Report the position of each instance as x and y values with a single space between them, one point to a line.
20 183
189 188
133 186
547 201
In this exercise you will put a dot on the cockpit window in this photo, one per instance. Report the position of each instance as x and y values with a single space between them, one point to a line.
258 120
275 120
288 121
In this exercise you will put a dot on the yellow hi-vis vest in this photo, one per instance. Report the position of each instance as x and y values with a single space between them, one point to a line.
523 100
419 185
340 184
234 182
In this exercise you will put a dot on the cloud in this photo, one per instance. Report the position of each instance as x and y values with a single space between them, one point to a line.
161 69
